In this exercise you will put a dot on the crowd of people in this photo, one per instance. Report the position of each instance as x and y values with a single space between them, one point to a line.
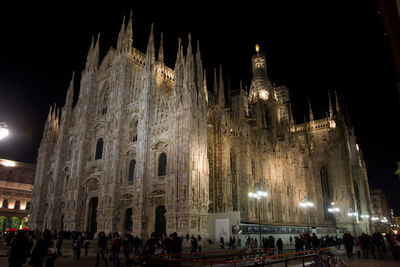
37 248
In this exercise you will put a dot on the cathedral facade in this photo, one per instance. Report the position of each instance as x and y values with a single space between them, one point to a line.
150 148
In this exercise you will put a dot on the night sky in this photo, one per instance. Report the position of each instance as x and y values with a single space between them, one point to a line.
313 48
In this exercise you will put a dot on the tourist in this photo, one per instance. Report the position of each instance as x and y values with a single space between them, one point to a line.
127 242
357 247
364 241
290 239
200 243
221 242
78 246
348 242
43 250
379 243
19 248
86 245
59 244
115 249
193 244
394 245
101 248
279 244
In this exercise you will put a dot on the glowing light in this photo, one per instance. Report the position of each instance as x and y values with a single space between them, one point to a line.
332 124
365 216
352 214
258 194
358 149
257 48
306 204
333 210
374 218
8 163
3 130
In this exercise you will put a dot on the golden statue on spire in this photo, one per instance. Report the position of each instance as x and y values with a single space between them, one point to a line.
257 49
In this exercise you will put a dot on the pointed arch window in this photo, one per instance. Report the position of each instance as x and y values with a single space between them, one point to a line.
134 131
132 166
99 149
103 99
162 164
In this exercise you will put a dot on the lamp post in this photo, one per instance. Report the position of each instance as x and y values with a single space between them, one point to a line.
257 196
307 205
334 210
366 218
3 130
353 214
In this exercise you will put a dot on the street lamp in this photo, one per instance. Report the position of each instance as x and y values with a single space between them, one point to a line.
334 210
353 214
258 196
307 205
3 130
365 217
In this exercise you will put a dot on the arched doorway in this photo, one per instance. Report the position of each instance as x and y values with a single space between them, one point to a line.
160 225
92 222
128 220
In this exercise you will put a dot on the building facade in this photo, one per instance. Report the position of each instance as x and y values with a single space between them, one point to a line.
150 148
16 182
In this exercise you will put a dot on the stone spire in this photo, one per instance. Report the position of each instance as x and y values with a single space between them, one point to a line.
221 92
205 86
178 70
330 105
189 67
310 110
121 37
291 119
199 69
337 103
129 36
70 92
161 50
150 57
229 99
215 87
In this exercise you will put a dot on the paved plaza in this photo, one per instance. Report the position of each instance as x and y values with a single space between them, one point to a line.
67 259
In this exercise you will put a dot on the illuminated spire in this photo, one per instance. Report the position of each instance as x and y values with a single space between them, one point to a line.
337 103
257 49
330 106
161 50
310 110
221 90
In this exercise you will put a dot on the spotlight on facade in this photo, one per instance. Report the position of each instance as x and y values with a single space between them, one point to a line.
374 218
8 163
3 130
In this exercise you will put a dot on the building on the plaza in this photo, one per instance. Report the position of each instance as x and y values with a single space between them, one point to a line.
16 181
381 216
152 148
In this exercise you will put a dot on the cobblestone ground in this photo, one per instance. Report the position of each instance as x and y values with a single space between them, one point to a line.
67 259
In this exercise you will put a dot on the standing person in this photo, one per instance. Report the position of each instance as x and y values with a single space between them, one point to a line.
348 242
59 244
86 246
19 248
379 243
78 246
357 246
364 241
101 248
40 251
199 244
193 244
221 242
115 249
128 247
279 244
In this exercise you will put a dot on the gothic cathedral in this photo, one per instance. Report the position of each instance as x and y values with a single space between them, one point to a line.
151 149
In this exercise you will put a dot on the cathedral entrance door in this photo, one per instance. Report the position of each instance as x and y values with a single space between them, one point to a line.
161 226
128 220
93 215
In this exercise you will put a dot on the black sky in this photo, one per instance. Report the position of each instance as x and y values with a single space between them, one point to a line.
313 47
